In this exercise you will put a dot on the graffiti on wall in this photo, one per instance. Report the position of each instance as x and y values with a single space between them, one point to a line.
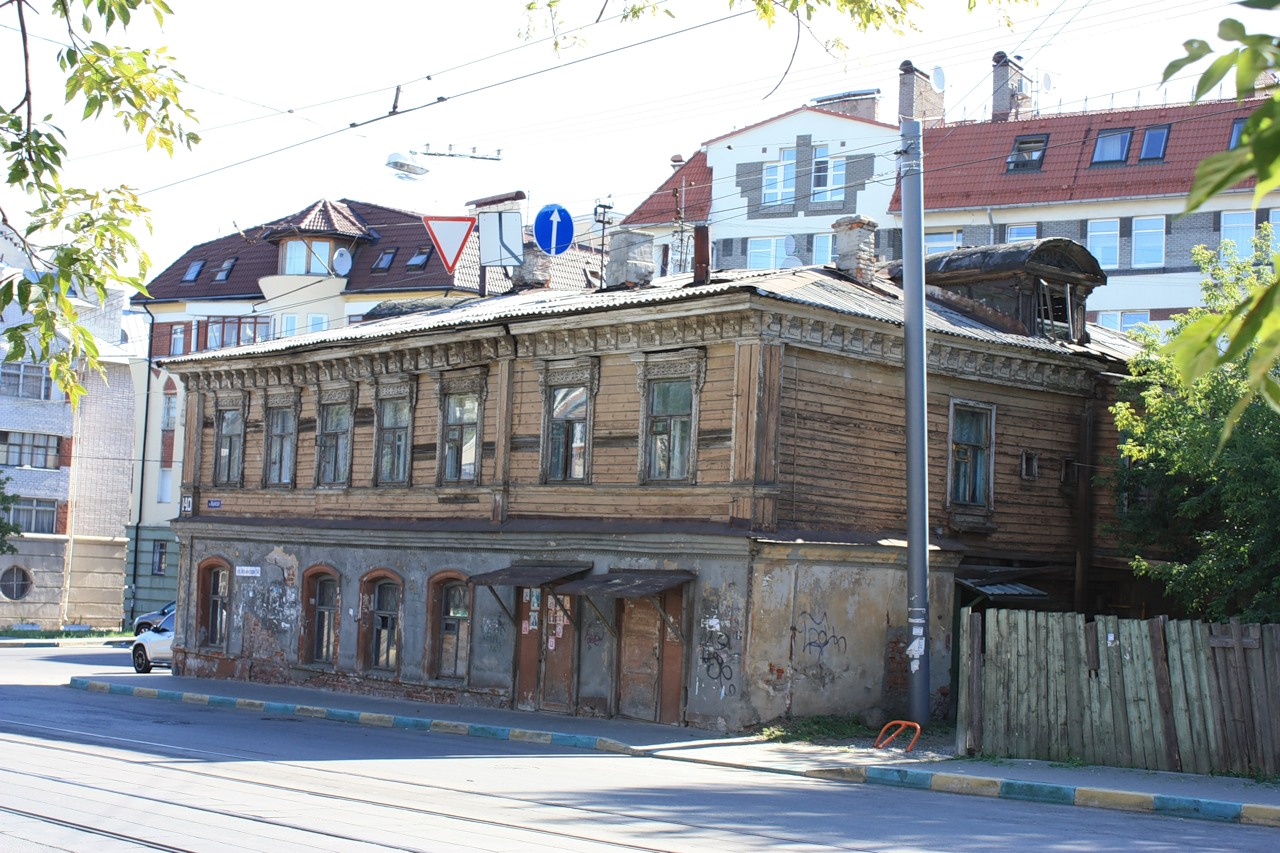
819 637
493 633
719 646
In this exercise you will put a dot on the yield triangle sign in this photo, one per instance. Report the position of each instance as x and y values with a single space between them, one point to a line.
449 235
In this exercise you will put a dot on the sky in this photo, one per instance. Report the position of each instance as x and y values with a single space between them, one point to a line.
277 86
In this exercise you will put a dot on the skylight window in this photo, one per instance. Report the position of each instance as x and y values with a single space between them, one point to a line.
383 263
1028 153
419 260
224 270
1112 146
1154 140
1237 128
193 270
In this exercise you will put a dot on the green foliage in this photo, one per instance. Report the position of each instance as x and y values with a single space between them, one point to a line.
1200 497
83 239
6 529
1252 325
830 727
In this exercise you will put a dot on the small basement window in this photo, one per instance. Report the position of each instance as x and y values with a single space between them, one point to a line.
1030 465
1028 153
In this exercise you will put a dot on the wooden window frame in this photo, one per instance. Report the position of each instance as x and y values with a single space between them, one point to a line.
393 389
436 623
370 630
308 646
232 473
687 365
556 375
347 395
213 605
274 401
986 505
472 382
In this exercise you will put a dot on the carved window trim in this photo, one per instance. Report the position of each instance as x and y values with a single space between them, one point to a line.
289 399
471 382
232 473
986 467
581 372
687 364
327 395
395 387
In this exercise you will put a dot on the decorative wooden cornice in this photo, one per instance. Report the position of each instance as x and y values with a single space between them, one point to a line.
657 333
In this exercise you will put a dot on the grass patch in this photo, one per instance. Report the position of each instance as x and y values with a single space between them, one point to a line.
95 634
830 727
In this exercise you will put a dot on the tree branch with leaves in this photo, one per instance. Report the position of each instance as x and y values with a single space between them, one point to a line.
80 240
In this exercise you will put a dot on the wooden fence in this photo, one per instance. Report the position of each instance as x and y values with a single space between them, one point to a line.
1158 694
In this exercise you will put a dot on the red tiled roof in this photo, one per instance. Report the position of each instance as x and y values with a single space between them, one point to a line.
384 228
964 165
322 218
693 179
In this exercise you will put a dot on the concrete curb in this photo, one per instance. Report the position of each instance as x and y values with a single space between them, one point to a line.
68 642
899 777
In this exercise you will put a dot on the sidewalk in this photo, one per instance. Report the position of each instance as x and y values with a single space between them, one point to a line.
1217 798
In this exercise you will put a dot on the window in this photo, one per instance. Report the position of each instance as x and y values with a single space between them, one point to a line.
29 449
306 256
385 619
33 515
15 583
1238 228
1123 321
227 465
672 383
824 249
1018 233
828 176
971 438
1148 241
177 339
234 331
159 557
1154 140
211 629
461 428
320 593
282 440
383 263
317 322
943 241
1104 241
393 440
567 434
1237 131
27 381
288 325
1112 146
453 628
333 442
164 486
169 412
1027 154
419 259
1029 465
193 271
779 186
225 270
766 253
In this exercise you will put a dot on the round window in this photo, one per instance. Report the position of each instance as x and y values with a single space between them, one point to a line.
15 583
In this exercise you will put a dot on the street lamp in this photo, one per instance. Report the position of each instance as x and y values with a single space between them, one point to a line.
407 165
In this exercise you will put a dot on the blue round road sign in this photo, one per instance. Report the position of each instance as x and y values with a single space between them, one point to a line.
553 229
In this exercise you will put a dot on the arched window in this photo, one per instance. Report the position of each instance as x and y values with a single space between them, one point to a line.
320 606
15 583
214 600
380 627
451 625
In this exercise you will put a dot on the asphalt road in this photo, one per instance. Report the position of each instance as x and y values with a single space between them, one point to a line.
93 772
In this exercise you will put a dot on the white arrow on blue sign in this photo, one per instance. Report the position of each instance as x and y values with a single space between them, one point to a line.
553 229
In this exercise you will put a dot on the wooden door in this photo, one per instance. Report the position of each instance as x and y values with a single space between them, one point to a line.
671 665
559 655
639 652
528 645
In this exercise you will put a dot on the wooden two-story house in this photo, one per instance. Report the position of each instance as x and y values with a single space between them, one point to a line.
679 500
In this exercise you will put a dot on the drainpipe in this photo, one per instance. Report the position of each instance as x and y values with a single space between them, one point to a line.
142 463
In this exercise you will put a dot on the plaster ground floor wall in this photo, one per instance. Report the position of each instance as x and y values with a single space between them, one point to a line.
43 559
92 593
147 589
763 629
95 594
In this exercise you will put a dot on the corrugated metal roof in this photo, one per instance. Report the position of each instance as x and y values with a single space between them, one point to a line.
820 287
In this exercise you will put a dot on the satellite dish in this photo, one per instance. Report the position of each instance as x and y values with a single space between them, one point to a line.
1046 83
938 79
342 262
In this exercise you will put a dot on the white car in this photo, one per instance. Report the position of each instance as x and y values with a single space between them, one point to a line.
154 646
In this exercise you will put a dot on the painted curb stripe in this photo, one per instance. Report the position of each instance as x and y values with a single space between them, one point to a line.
530 736
448 727
340 716
900 777
371 719
1038 792
1199 809
309 711
493 732
838 774
1260 815
576 741
1130 801
957 783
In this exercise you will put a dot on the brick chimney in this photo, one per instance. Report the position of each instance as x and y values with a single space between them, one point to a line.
535 271
1010 88
630 259
856 246
917 99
